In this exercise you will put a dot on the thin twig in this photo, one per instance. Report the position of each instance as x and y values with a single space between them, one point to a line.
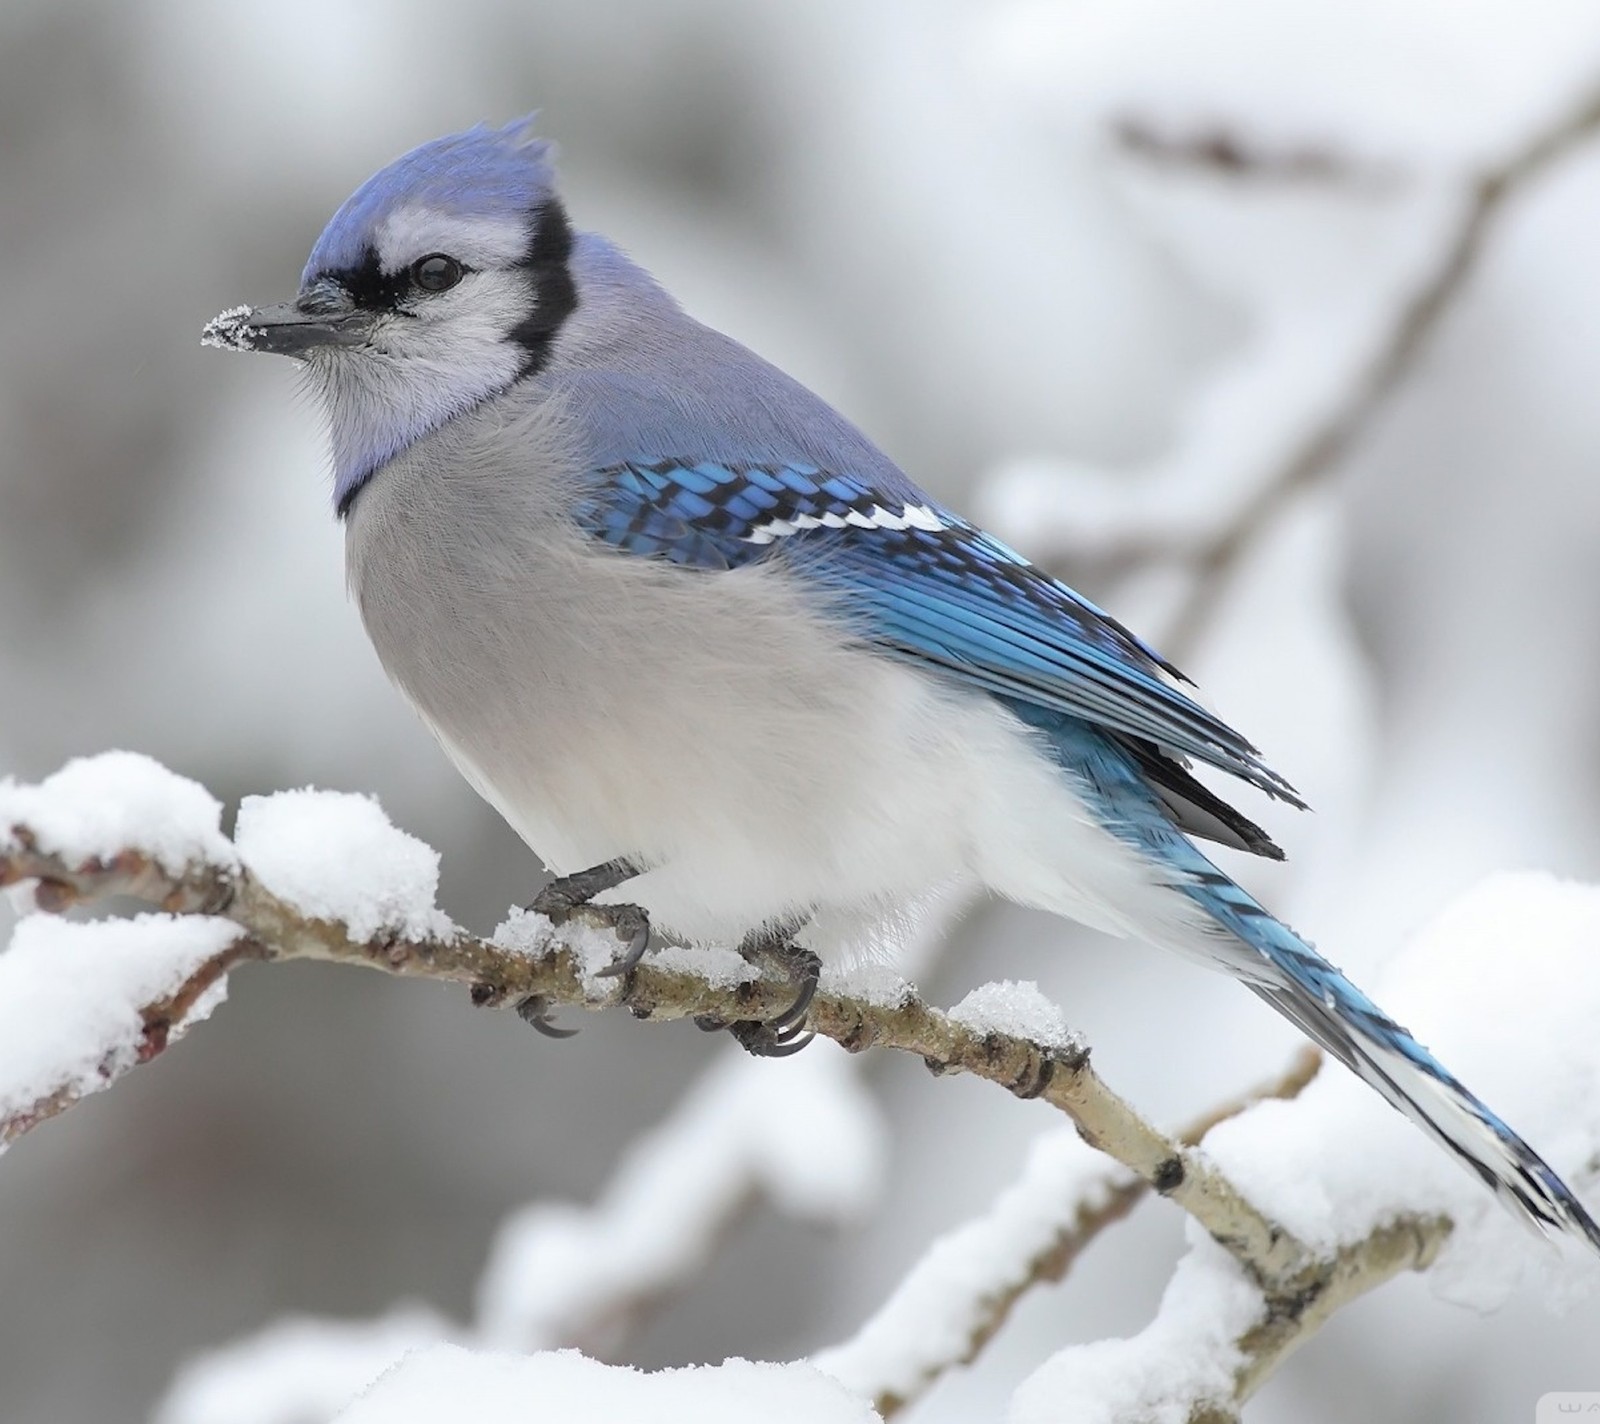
1216 149
159 1018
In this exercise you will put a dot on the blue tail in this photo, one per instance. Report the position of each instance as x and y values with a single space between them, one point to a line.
1328 1008
1302 986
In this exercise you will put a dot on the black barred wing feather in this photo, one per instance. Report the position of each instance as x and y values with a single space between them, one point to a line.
924 584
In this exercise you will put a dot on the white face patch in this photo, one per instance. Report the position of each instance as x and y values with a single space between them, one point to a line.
485 243
912 516
419 368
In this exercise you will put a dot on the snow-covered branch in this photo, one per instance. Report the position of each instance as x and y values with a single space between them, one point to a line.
808 1141
1308 1203
1216 1337
961 1293
324 876
81 1004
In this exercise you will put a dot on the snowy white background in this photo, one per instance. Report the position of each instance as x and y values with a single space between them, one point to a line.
924 211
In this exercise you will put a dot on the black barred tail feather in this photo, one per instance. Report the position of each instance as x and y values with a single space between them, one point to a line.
1152 813
1328 1008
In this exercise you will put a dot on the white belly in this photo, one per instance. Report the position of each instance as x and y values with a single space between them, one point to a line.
718 728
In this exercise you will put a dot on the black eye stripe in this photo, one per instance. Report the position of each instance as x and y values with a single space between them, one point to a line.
373 289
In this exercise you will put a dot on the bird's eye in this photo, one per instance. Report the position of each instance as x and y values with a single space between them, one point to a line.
436 272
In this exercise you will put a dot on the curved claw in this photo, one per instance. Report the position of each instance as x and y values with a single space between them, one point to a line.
808 970
784 1033
536 1012
561 898
762 1041
790 1046
625 919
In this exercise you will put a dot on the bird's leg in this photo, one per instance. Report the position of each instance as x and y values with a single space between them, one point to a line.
784 1033
567 893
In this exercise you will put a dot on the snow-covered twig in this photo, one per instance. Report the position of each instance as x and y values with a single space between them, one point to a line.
447 1382
325 876
954 1301
341 901
82 1004
1217 1336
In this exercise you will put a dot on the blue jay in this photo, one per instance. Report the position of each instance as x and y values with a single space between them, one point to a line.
707 649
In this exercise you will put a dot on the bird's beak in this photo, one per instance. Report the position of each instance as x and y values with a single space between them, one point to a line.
287 328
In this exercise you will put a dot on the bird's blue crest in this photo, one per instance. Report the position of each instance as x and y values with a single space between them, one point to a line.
485 171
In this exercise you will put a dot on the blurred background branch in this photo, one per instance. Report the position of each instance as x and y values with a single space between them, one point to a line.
1208 555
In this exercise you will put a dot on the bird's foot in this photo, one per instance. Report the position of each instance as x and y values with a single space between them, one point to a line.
784 1033
562 897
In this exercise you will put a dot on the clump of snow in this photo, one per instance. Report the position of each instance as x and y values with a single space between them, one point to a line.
1504 988
99 805
230 330
530 933
71 995
450 1383
939 1307
598 947
336 856
719 965
1014 1007
1185 1356
875 984
808 1138
296 1369
524 931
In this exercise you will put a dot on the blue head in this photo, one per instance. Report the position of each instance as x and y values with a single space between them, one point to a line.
442 280
477 189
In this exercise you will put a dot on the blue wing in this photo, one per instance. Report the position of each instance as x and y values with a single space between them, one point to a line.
923 584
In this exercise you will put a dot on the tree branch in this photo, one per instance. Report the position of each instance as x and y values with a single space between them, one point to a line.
951 1315
1320 449
1260 1290
1217 149
1290 1319
1414 325
1217 1337
556 966
172 995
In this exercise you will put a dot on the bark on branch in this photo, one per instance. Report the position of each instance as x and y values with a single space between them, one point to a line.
554 966
556 974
